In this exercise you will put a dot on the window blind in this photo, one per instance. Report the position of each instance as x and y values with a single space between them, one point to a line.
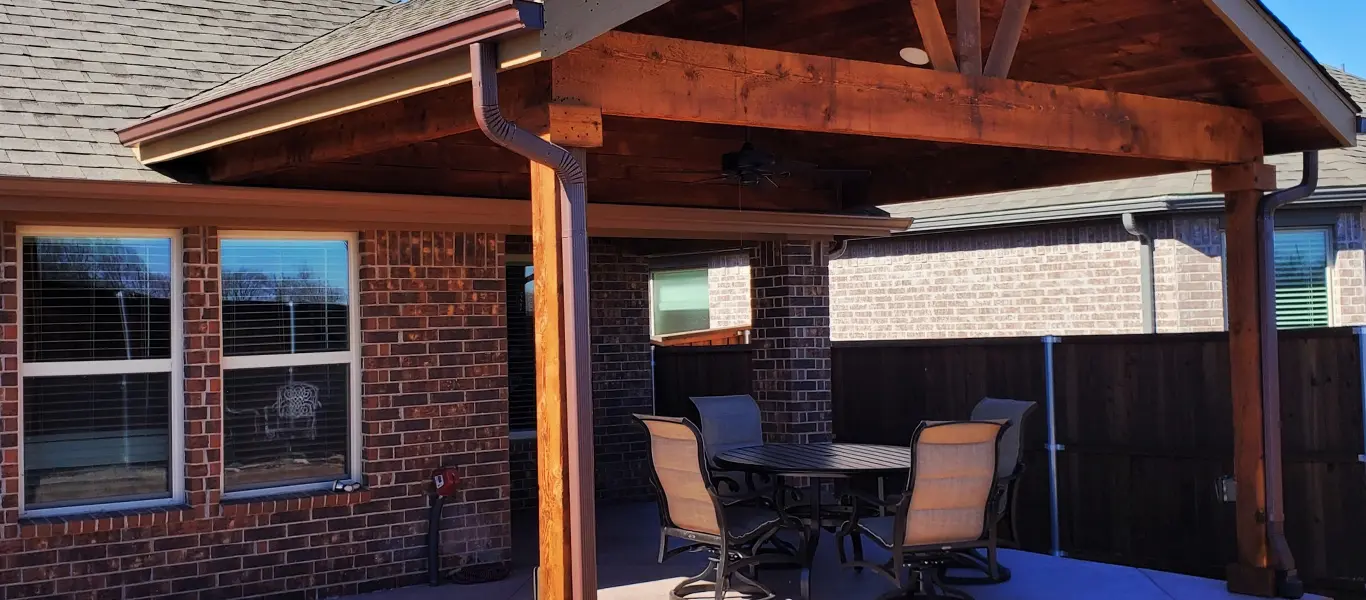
287 379
97 370
1301 265
681 301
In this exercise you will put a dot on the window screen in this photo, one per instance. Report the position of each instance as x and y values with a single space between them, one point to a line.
1301 262
97 370
287 380
681 301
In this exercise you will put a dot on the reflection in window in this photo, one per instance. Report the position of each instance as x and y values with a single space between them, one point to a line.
287 379
286 425
97 370
521 348
681 301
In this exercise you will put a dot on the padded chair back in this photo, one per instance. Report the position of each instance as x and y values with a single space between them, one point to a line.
954 472
685 495
729 422
1014 413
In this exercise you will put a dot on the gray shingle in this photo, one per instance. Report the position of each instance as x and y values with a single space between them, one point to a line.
72 72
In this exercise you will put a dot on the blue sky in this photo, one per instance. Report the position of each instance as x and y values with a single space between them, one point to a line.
1331 29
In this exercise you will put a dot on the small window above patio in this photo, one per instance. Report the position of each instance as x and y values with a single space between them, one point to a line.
679 301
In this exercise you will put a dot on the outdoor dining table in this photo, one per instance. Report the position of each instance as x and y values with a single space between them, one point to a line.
820 463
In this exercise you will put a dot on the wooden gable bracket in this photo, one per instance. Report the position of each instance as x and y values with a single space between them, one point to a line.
967 57
651 77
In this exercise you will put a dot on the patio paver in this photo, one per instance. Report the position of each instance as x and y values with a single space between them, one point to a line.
627 571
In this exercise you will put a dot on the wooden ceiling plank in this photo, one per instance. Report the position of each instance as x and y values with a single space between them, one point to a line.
414 119
936 37
633 75
970 37
1008 33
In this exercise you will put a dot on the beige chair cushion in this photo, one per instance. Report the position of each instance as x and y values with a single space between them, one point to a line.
674 452
955 467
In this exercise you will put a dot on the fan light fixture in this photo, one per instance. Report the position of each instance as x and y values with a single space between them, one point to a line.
915 56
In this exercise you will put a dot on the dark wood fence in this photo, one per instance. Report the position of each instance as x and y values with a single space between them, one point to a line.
685 371
1146 426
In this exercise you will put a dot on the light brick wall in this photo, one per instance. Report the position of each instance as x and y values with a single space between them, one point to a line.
728 283
1188 273
1349 271
1070 280
434 393
1076 279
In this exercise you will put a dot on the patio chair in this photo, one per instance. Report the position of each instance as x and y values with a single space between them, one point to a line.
1005 493
730 422
690 509
946 508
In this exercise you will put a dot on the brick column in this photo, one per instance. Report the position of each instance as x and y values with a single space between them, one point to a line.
203 382
9 388
619 328
791 339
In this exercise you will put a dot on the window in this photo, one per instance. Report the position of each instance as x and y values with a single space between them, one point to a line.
1302 290
291 382
680 301
101 402
521 348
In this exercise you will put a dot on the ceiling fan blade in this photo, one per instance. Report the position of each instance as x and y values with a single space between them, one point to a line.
769 179
711 180
796 165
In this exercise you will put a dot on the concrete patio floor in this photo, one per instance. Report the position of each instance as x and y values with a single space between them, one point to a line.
627 538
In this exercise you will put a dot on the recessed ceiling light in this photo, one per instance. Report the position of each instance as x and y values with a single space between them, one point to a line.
915 56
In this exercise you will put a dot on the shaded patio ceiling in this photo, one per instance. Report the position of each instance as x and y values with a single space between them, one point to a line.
1178 49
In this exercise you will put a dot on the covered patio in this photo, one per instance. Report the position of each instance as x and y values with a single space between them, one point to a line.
627 571
609 119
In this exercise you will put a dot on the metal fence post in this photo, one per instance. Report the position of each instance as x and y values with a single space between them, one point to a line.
1052 446
1361 360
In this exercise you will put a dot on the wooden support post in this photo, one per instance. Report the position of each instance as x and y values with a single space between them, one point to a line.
564 404
1253 368
1007 39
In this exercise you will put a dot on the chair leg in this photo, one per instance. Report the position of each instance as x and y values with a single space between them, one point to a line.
663 545
721 573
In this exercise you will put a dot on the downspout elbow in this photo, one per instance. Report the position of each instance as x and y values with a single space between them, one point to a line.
1308 185
489 116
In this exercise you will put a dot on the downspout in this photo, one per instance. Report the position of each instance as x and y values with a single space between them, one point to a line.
574 237
1282 560
1147 285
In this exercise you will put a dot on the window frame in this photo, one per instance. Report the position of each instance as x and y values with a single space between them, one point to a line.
351 356
1329 262
1312 223
175 367
705 268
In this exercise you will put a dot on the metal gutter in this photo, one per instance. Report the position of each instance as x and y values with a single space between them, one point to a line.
1147 279
573 233
518 15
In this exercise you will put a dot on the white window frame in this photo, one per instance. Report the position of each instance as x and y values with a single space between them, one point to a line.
1329 267
175 366
352 356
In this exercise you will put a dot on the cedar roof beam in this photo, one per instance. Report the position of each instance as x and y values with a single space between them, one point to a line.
934 35
1007 39
436 114
970 37
653 77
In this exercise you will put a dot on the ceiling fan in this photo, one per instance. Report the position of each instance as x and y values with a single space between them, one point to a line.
750 166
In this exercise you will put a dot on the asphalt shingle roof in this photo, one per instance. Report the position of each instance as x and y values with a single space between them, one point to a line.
1344 167
375 29
73 72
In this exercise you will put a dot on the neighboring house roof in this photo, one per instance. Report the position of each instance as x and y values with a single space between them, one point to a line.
73 72
1344 169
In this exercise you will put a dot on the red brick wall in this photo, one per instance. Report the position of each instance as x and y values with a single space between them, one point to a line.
791 340
434 393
